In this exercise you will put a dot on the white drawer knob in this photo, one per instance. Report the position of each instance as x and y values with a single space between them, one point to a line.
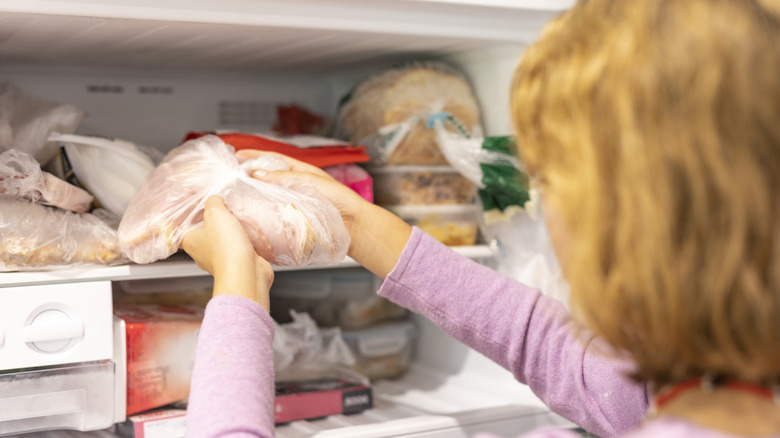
52 331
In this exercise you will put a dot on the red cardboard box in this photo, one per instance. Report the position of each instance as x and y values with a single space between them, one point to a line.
161 343
315 398
162 423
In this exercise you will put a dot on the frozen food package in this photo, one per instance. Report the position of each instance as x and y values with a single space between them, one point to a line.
21 175
354 177
26 122
161 343
36 237
492 165
110 169
289 224
392 112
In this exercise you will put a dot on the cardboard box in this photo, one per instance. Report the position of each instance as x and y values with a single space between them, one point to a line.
162 423
315 398
161 344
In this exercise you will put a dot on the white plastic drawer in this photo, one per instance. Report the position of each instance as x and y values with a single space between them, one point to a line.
77 397
55 324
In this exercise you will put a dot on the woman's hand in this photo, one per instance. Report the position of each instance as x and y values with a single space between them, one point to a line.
377 236
222 248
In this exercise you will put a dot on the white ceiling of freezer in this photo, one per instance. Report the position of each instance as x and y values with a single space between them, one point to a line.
255 34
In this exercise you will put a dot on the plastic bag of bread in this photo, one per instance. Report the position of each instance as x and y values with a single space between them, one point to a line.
36 237
21 175
392 112
289 225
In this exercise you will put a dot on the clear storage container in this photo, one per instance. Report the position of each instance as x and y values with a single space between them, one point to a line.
420 185
382 351
453 225
344 298
79 397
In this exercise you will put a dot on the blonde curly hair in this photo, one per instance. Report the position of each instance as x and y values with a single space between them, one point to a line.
654 129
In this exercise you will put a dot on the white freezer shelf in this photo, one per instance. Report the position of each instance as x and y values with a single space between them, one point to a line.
178 265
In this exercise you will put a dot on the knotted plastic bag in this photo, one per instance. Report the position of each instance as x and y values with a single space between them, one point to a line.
21 175
289 224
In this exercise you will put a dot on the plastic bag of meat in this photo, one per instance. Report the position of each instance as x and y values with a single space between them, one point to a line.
289 225
36 237
21 175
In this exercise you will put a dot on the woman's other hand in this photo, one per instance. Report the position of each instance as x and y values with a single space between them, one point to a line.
222 248
377 236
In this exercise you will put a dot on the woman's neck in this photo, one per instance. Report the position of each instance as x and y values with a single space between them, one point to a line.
726 410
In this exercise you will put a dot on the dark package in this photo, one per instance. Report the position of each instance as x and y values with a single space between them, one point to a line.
315 398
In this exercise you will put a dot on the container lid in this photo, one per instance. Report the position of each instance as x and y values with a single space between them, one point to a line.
432 210
325 283
381 340
411 168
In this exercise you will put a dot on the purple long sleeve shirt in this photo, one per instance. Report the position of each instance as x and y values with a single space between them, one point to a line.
516 326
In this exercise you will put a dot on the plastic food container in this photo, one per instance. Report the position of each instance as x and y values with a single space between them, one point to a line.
420 185
453 225
383 351
342 298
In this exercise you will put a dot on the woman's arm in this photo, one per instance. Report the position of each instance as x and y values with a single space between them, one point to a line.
514 325
232 388
522 330
377 236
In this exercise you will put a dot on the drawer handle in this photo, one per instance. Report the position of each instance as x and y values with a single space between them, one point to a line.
56 331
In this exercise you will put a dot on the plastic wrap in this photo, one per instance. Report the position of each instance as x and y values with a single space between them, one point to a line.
21 175
392 112
26 122
36 237
304 351
289 224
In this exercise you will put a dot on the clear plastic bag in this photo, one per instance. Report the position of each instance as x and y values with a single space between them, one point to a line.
26 122
289 224
36 237
21 175
304 351
392 112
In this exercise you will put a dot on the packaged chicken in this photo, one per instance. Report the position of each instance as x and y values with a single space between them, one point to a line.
393 112
36 237
289 224
21 175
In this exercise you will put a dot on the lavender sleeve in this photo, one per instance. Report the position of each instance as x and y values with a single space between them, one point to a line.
520 329
232 389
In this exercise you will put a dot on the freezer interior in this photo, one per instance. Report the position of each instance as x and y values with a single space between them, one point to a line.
149 72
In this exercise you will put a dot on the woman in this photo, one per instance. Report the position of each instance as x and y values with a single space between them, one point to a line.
651 127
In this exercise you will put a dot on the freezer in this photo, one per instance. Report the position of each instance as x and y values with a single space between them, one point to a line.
152 71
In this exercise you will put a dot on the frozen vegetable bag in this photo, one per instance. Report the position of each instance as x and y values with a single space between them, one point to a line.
289 224
490 163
